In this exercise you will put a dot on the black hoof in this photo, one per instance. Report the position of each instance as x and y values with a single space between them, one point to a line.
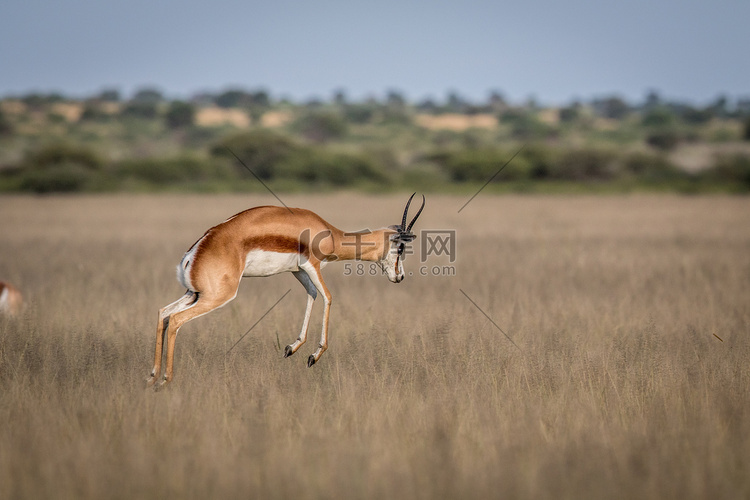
288 351
310 361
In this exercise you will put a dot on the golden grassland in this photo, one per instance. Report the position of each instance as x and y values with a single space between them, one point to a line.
620 386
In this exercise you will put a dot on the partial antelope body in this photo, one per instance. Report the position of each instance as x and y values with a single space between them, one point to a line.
264 241
11 299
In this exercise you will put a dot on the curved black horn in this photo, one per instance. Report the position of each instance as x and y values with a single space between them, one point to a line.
406 211
416 216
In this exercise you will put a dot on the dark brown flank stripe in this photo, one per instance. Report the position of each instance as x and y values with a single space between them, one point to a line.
272 243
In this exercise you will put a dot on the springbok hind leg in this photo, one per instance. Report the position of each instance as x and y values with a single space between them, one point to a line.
161 329
203 305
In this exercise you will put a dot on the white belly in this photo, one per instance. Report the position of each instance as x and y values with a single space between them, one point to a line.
265 263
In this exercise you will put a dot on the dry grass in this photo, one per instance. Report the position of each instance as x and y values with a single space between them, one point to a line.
70 111
698 157
456 122
273 119
215 116
619 390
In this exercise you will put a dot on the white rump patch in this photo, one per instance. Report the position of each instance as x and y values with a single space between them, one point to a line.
265 263
185 265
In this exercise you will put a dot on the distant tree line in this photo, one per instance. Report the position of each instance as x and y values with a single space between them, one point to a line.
325 145
289 163
612 107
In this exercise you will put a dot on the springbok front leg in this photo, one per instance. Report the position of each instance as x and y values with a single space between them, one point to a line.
314 273
312 293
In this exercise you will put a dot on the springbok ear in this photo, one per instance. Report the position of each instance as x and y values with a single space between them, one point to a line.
402 237
395 234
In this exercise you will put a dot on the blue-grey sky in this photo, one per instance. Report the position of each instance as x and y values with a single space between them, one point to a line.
552 50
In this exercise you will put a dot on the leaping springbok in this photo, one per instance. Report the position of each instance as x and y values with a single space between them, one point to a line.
264 241
11 299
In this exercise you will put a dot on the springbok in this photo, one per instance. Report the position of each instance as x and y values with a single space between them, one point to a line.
264 241
11 299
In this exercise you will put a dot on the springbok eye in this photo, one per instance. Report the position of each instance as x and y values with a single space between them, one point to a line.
401 249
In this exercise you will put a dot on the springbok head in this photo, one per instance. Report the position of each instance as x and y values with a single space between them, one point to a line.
392 262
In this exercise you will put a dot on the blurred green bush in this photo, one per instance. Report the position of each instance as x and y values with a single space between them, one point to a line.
732 168
58 167
322 167
170 171
52 155
262 150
